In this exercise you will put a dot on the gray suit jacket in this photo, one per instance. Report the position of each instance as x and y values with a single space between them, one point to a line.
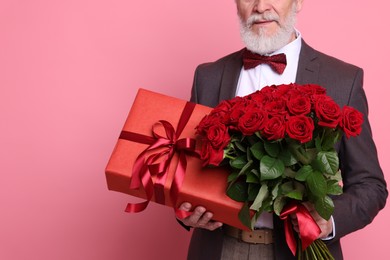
365 191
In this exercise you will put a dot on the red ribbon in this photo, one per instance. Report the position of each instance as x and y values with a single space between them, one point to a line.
308 228
155 161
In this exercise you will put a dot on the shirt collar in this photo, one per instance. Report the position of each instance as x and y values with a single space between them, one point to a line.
292 49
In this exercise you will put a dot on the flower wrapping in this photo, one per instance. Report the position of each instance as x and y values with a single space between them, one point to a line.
166 172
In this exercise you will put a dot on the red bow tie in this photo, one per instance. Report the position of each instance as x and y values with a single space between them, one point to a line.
276 62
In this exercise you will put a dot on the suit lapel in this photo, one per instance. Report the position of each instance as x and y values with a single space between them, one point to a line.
307 73
231 74
308 65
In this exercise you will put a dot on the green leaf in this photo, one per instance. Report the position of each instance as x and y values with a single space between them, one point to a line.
258 150
318 143
233 176
331 138
334 188
272 149
305 156
337 176
239 162
304 172
317 184
275 191
310 153
240 146
287 187
248 154
256 172
246 169
279 204
244 216
252 177
324 206
287 157
261 196
290 173
253 190
270 168
238 191
267 205
327 162
295 194
300 186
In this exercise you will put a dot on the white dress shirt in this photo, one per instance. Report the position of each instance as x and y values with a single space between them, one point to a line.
254 79
262 75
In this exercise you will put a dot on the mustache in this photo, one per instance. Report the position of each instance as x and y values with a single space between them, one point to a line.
261 17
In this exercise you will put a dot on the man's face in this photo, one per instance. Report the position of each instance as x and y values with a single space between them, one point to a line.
268 20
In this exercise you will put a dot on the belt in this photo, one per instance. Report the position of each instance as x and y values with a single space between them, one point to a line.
257 236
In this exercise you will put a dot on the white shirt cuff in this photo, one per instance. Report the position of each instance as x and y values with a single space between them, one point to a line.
333 234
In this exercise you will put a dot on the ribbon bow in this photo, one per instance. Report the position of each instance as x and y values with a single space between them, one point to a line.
308 228
277 62
155 160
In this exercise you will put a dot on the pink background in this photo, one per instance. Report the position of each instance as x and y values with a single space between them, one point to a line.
69 71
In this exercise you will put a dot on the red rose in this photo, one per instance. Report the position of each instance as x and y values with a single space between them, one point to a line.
219 115
237 110
225 105
312 89
351 121
202 126
299 105
218 136
206 123
327 111
267 90
276 107
252 121
259 98
282 91
254 95
300 128
293 93
209 155
274 128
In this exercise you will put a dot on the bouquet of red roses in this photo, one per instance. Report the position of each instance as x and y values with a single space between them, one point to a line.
279 143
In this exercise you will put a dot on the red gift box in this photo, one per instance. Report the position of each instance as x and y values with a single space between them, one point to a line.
145 126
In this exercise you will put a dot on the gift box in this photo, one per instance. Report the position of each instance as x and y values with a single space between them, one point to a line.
154 158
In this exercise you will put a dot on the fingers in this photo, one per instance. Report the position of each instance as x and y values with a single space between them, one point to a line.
185 206
326 226
212 225
200 217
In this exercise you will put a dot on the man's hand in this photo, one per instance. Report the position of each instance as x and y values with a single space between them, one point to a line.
326 226
200 218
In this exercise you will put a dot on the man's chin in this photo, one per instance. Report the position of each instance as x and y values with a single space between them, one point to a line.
264 42
264 35
259 44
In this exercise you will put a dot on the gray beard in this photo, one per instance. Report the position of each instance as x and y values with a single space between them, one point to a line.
262 44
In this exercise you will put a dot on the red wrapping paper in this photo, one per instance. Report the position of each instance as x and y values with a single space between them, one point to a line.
201 186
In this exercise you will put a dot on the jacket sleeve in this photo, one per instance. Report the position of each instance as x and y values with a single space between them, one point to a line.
364 187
